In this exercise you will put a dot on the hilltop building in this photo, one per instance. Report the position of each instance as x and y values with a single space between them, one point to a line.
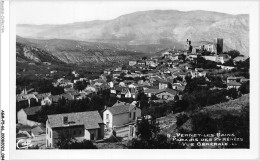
188 46
219 45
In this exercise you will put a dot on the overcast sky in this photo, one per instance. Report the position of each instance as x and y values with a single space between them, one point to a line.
61 12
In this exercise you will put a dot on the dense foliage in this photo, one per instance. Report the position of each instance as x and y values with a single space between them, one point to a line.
227 124
66 141
149 138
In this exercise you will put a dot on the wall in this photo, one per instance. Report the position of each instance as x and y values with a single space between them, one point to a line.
110 119
88 133
165 95
46 101
76 131
21 117
163 85
101 131
137 114
131 63
120 119
236 87
211 58
49 140
128 95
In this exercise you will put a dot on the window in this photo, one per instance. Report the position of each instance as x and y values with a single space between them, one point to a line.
130 115
50 134
107 116
65 120
47 130
134 115
79 131
92 136
74 132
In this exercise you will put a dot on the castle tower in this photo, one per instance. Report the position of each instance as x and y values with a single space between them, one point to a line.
219 45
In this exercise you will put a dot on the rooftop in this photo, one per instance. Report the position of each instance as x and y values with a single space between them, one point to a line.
120 108
89 119
168 90
32 110
233 83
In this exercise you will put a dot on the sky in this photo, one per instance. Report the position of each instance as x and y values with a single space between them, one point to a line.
62 12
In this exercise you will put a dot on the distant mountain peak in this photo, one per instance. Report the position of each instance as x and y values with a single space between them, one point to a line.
159 27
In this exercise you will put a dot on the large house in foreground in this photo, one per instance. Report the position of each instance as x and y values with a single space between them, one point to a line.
81 125
120 114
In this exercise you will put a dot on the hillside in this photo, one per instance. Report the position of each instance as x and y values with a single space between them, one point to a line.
31 54
72 51
157 27
218 111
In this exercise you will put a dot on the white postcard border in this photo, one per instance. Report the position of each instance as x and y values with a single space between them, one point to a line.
252 153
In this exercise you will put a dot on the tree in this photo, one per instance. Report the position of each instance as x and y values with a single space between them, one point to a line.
176 98
153 97
56 90
65 139
244 88
144 129
80 85
143 100
144 58
203 124
85 144
233 93
178 79
229 63
149 139
233 53
169 85
109 78
181 119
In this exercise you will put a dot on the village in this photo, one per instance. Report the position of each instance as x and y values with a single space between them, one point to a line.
125 95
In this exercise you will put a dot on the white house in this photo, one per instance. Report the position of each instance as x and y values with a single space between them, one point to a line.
28 115
111 84
133 85
226 67
46 101
233 84
126 93
120 114
81 125
122 84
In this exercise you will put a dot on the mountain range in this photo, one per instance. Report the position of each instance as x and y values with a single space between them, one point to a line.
144 31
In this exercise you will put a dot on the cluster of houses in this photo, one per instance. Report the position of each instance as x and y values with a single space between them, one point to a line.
89 125
160 78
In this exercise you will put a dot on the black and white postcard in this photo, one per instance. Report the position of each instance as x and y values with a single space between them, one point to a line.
130 79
